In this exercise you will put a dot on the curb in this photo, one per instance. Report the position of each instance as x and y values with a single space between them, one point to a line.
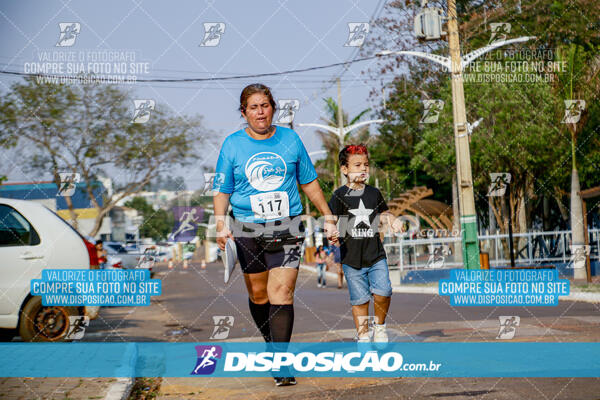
573 296
328 274
120 390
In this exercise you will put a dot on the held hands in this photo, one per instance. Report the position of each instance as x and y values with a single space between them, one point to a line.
331 230
393 224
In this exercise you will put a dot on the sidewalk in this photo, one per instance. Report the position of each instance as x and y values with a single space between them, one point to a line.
575 295
65 388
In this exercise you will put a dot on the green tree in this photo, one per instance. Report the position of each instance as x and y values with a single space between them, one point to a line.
518 134
88 129
157 224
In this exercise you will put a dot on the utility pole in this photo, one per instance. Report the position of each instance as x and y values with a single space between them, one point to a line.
340 118
468 218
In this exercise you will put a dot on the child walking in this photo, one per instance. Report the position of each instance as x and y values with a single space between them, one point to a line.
360 209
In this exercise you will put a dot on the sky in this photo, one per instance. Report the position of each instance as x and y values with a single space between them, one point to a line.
259 37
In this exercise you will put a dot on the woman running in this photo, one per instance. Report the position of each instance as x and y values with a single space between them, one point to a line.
258 172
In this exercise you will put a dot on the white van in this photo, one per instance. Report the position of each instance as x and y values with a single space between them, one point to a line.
33 238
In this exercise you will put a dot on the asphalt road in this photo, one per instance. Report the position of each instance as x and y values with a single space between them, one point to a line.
191 297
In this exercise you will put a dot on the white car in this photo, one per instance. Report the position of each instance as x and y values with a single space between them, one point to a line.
33 238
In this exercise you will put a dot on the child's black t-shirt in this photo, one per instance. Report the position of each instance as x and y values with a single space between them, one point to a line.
358 212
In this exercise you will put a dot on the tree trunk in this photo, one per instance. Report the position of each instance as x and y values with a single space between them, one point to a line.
577 241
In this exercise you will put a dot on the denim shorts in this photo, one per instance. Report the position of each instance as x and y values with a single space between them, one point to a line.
366 281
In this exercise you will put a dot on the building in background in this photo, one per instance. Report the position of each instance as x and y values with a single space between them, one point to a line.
125 224
46 193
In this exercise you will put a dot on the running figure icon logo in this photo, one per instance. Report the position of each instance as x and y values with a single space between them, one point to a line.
500 31
77 325
287 111
508 327
357 34
573 110
67 183
223 324
207 359
68 33
141 114
437 258
431 111
498 185
212 34
212 183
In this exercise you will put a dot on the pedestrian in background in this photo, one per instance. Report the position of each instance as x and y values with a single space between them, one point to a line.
321 259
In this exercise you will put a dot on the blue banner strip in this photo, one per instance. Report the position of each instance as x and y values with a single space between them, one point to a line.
331 359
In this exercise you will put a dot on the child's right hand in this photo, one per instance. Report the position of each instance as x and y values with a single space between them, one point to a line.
331 232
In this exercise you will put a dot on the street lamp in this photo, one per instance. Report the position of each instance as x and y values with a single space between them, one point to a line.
341 133
455 64
464 60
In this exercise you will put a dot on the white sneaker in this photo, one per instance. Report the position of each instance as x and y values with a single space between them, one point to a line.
364 339
380 333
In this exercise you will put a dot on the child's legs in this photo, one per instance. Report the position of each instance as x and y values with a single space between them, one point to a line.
381 287
319 272
358 287
381 304
362 324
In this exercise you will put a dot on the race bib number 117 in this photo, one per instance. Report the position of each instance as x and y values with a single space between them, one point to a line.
270 205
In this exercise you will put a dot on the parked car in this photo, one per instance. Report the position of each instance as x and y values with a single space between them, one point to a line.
33 238
129 260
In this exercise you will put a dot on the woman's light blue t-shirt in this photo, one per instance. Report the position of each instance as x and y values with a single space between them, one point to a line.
262 173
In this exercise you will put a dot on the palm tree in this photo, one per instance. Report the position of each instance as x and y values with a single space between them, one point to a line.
578 81
331 142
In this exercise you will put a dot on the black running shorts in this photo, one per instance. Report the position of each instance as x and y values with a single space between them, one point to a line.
264 246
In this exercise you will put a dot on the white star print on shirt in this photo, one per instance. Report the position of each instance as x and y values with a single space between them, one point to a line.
361 213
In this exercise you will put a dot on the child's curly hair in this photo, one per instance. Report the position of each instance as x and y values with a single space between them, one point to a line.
352 149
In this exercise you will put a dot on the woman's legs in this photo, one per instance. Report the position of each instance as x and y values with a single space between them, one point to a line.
258 301
280 290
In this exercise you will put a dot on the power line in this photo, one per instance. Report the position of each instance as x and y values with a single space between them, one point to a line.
213 79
